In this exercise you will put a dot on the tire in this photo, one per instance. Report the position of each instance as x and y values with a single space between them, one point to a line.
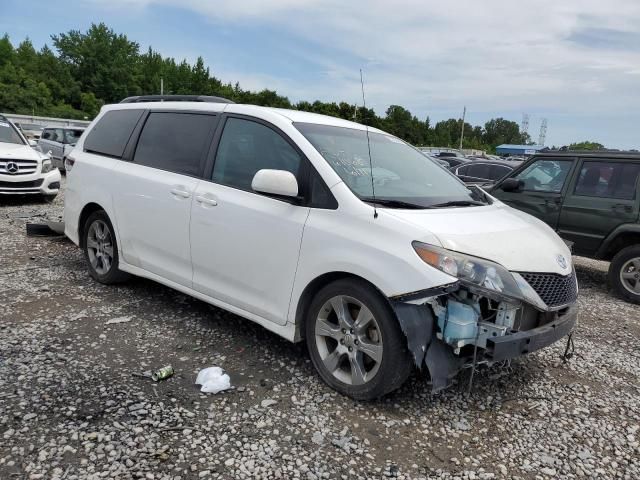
624 273
101 249
362 376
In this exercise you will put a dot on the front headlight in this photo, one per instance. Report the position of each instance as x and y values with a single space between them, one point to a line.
47 166
473 271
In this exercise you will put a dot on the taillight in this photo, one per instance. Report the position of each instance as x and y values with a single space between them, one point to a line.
69 162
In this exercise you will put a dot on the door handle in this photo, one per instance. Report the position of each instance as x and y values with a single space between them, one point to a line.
206 200
179 192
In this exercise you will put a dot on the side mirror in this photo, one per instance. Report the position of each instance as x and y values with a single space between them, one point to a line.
33 143
275 182
511 185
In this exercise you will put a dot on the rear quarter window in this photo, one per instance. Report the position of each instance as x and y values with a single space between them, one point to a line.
110 135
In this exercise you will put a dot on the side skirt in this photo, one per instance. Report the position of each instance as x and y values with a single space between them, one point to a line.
286 331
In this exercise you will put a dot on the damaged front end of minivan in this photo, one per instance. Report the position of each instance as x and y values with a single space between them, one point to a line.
487 315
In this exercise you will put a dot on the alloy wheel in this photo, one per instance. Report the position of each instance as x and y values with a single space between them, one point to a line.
630 275
100 247
349 340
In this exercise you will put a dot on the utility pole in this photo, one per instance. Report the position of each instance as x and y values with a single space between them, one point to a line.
161 86
464 113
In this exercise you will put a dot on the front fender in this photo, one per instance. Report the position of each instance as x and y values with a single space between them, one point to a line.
371 249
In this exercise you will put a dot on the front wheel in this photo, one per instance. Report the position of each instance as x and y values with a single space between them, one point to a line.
624 273
101 250
355 342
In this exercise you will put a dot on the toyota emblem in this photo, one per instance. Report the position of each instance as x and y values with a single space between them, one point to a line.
562 261
12 167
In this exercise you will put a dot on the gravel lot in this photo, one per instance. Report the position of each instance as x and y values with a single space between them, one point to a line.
71 408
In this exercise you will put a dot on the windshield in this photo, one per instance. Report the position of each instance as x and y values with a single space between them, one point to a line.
72 136
8 133
401 174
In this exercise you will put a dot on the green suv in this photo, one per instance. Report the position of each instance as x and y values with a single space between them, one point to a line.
592 200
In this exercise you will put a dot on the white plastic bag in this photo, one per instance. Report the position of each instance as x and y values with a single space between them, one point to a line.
213 380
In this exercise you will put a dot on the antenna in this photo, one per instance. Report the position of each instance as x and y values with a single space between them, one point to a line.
373 188
464 113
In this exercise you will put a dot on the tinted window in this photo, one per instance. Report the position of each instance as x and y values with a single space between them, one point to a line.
246 147
462 170
608 180
46 135
58 135
478 171
72 136
111 134
177 142
320 196
545 175
496 172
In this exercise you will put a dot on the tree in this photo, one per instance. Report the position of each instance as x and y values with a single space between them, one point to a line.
101 61
586 145
498 131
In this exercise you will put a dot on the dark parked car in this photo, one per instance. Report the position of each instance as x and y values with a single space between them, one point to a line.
483 172
455 161
590 199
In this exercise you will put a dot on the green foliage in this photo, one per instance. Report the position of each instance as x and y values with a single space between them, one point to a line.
586 145
99 66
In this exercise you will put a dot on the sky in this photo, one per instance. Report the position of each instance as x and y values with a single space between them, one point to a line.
574 62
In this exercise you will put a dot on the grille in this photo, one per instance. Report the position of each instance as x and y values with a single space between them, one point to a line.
554 290
31 184
25 167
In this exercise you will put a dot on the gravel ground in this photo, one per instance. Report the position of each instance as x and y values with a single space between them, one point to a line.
71 406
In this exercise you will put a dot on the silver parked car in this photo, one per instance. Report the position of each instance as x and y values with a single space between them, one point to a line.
59 141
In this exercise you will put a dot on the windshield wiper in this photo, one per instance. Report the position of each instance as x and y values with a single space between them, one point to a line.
459 203
385 202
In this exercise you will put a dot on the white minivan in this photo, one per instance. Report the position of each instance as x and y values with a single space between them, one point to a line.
318 229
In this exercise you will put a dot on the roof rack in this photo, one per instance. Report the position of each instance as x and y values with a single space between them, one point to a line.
175 98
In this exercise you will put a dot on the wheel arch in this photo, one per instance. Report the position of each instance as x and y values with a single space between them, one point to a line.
622 237
318 284
87 210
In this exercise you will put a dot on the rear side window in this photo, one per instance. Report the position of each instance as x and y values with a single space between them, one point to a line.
496 172
111 134
478 171
608 180
176 142
246 147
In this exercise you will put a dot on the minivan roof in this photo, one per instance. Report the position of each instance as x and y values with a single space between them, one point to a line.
292 115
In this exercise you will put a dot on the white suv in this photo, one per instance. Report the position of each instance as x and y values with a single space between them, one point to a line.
23 170
321 230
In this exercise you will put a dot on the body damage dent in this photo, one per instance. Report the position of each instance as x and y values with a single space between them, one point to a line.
418 325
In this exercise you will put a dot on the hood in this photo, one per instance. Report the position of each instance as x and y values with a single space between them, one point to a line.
515 240
9 151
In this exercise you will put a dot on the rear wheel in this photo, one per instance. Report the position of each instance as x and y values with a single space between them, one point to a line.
624 273
101 250
355 342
